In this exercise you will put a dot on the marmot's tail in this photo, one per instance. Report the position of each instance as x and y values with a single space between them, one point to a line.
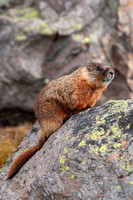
23 158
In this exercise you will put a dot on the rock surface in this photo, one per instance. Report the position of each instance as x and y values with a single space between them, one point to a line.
90 157
42 40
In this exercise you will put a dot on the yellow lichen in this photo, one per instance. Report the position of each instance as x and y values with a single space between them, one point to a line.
117 145
67 137
21 37
128 126
47 31
103 149
118 187
43 25
100 166
128 167
96 133
86 39
62 159
27 13
64 167
82 143
131 182
72 176
77 37
78 27
65 150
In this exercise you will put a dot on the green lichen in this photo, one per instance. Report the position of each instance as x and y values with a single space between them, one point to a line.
131 182
78 27
62 159
26 150
86 39
123 136
117 132
121 157
94 137
119 106
77 37
64 168
83 162
72 176
17 20
122 167
100 120
117 145
23 15
65 150
100 166
21 37
82 143
47 31
43 25
94 55
128 167
28 21
27 13
128 126
103 149
18 149
68 137
118 187
26 29
96 133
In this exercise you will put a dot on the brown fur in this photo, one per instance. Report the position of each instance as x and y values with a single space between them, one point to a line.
61 97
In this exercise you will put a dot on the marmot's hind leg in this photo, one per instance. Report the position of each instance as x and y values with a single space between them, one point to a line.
52 117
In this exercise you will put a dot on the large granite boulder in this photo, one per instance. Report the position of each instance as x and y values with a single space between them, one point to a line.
42 40
90 157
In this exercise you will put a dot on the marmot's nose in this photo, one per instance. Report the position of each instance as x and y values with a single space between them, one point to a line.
108 71
111 72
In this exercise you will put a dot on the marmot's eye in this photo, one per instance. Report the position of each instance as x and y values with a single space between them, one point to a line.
89 67
99 68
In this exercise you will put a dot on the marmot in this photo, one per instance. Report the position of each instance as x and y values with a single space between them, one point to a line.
64 96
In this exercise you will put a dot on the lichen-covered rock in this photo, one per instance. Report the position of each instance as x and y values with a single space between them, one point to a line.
89 157
42 40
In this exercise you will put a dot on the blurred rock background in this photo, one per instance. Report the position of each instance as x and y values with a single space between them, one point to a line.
42 40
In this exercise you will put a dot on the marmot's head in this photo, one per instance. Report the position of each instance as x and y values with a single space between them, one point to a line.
99 74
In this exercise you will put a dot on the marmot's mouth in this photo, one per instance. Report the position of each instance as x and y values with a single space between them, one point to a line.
110 77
